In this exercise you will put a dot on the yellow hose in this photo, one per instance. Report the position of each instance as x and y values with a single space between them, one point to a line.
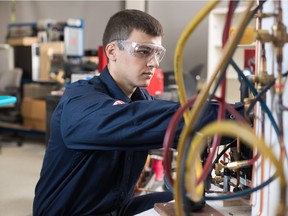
178 57
196 193
231 129
227 53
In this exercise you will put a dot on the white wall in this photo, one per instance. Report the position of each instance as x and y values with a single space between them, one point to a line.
94 13
174 16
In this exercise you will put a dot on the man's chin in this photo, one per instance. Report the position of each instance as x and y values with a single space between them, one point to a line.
145 85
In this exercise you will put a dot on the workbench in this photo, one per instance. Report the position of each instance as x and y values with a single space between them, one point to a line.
237 207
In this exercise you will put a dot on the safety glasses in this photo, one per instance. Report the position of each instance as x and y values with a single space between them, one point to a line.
145 51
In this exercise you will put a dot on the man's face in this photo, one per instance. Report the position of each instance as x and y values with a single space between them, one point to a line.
136 60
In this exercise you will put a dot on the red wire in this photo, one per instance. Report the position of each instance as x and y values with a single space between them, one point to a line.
254 159
208 163
169 137
228 20
170 132
221 111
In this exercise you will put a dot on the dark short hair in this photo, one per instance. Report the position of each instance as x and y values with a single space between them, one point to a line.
121 24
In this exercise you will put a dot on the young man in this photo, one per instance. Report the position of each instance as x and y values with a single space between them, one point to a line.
102 129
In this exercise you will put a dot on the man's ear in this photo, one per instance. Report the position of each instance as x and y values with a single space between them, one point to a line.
111 51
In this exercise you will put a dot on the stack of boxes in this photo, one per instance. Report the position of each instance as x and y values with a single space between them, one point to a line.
33 108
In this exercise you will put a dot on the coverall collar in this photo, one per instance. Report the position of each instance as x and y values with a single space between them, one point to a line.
115 90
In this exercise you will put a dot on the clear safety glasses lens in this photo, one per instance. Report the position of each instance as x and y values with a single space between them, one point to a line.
144 50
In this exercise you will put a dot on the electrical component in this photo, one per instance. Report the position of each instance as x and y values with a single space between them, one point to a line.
237 163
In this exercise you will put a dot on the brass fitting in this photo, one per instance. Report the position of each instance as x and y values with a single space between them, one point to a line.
218 167
279 34
262 79
247 102
264 15
218 179
237 164
263 35
278 37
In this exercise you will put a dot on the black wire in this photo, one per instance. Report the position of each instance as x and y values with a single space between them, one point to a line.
167 184
260 96
254 91
218 81
261 93
242 193
200 116
232 144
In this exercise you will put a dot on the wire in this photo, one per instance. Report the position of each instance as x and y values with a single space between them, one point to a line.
227 52
259 96
230 128
170 134
232 6
169 137
219 78
245 192
207 166
255 93
230 145
178 62
168 185
221 111
178 57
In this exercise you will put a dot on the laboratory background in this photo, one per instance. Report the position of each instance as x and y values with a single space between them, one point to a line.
214 51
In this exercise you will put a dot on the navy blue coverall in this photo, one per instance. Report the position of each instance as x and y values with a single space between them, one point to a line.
98 147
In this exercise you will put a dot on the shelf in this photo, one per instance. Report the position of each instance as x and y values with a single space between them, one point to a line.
241 56
18 128
244 46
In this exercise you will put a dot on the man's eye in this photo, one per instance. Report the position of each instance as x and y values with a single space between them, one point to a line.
144 51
